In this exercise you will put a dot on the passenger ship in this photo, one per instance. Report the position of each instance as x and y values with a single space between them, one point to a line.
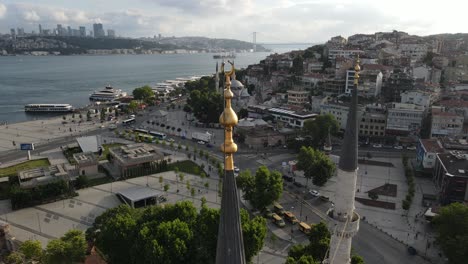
107 94
48 108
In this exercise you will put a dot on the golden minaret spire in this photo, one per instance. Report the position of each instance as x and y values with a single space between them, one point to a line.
228 119
230 244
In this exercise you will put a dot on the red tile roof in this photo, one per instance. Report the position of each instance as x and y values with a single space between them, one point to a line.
432 145
453 103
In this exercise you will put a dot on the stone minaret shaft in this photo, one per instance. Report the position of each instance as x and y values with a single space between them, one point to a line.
343 222
230 247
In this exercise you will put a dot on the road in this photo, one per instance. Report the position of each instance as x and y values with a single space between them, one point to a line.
373 245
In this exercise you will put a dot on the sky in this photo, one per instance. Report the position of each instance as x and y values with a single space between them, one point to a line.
276 21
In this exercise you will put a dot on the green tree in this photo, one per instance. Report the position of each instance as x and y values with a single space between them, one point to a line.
103 116
15 258
298 66
319 240
243 113
166 187
192 193
175 233
70 248
206 105
114 233
31 249
452 232
254 233
161 181
82 182
316 165
143 93
132 106
318 128
355 259
181 177
263 189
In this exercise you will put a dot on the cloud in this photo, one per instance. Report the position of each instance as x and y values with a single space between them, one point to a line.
3 10
275 20
31 15
225 8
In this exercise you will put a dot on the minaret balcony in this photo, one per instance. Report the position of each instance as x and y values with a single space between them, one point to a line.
342 225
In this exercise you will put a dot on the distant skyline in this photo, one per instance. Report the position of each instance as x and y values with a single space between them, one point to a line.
276 21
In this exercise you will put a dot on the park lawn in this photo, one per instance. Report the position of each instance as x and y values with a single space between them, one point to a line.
105 149
186 166
31 164
69 154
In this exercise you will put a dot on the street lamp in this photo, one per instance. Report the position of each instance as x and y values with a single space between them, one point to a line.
292 230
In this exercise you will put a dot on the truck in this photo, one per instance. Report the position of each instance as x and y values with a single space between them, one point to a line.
201 136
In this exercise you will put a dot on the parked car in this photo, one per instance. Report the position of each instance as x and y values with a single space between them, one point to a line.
290 217
288 178
377 146
278 220
298 184
201 142
209 145
411 148
314 193
387 146
398 147
236 169
267 213
170 140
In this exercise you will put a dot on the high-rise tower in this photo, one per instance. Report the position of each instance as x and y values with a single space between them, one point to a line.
343 221
230 247
217 79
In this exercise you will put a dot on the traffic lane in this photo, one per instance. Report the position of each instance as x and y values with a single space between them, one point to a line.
377 247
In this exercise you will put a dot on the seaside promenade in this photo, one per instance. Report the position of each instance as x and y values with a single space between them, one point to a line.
43 131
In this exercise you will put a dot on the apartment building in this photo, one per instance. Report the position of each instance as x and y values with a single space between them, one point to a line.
298 97
446 124
404 119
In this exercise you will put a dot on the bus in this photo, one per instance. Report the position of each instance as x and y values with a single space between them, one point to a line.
146 138
139 130
158 135
128 121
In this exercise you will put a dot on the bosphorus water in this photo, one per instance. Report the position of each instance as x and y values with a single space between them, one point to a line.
71 79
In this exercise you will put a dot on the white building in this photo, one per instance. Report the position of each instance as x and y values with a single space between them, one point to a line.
446 124
290 117
338 110
422 72
311 80
421 98
334 53
426 152
370 82
414 51
404 119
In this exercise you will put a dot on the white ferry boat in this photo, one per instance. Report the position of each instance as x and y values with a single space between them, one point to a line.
48 108
108 94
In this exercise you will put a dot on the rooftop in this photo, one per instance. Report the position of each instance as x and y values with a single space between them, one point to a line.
432 145
54 170
136 153
453 103
85 158
455 162
445 114
88 144
291 113
138 193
